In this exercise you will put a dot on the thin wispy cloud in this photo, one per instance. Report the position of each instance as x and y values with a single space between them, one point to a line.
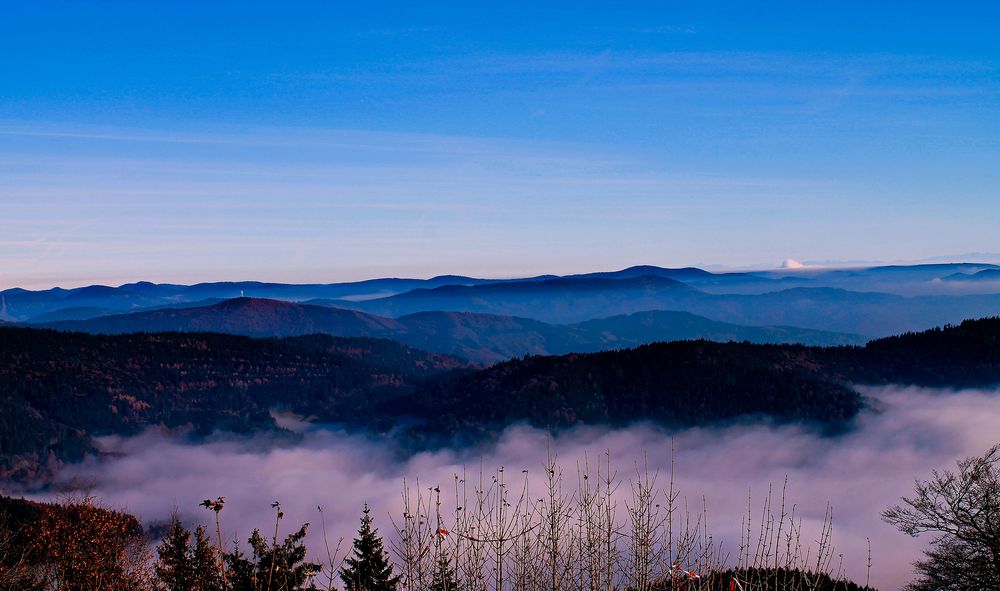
535 139
759 71
167 206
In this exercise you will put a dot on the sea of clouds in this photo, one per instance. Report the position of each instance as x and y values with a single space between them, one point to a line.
859 473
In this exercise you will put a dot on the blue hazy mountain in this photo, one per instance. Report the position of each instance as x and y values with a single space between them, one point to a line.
59 304
991 275
926 279
562 301
484 338
99 300
83 302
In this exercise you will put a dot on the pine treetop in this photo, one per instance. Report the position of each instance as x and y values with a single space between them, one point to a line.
369 568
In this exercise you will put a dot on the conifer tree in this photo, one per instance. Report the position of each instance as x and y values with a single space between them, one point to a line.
205 563
174 567
272 566
284 566
185 564
444 575
368 569
241 571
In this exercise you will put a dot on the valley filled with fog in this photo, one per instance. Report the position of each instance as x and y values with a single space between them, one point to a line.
906 433
623 297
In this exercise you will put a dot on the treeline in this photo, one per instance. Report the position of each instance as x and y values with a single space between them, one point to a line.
678 384
58 390
682 383
966 355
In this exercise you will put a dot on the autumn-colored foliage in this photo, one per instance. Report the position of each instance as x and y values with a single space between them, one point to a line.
79 546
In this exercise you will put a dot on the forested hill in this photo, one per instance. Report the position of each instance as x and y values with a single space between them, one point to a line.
247 316
723 381
676 384
484 338
965 355
60 389
57 390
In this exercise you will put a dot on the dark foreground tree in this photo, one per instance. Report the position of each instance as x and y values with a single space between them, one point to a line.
173 567
16 570
444 575
185 564
767 579
272 566
963 509
205 563
368 568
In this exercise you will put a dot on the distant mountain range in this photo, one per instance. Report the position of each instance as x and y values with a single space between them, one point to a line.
487 320
95 300
484 338
571 300
979 276
86 302
566 299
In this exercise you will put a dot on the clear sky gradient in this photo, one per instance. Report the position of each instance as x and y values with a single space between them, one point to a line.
328 141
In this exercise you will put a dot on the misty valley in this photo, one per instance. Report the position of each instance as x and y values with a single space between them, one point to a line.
499 296
643 429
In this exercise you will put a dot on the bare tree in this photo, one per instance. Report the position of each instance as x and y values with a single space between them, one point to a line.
963 509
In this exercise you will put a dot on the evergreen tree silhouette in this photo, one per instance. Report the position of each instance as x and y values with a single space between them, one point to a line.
205 563
272 566
187 566
444 575
174 567
368 569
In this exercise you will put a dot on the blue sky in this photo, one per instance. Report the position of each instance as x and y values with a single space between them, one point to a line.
184 142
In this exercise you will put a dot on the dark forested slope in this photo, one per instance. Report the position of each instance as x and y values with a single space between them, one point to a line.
57 390
964 355
676 384
681 383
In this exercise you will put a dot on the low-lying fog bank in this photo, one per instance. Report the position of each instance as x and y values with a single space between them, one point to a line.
859 473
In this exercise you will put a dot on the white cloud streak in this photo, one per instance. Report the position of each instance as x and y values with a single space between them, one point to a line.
154 205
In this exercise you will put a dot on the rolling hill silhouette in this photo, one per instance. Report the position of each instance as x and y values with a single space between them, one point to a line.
484 338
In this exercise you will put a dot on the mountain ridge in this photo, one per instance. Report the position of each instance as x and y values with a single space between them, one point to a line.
720 296
62 388
483 338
